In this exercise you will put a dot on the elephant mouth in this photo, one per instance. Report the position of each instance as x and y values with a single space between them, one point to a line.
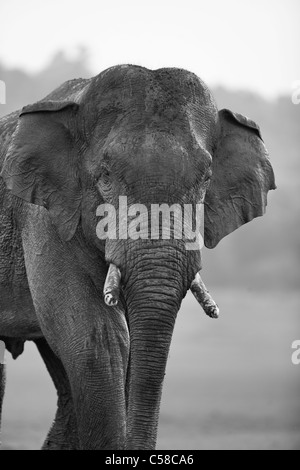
112 287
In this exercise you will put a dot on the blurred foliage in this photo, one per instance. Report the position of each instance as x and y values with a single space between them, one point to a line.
263 254
23 88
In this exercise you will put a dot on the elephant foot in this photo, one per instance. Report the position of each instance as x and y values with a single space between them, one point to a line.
63 433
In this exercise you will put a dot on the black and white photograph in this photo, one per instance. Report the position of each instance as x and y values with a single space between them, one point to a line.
149 227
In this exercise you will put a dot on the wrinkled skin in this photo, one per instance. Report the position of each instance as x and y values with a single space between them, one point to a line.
155 137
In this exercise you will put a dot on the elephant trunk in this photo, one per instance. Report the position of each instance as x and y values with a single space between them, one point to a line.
153 295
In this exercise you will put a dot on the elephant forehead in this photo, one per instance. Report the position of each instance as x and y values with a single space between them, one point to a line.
152 90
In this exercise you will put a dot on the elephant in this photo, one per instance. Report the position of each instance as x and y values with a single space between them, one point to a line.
101 310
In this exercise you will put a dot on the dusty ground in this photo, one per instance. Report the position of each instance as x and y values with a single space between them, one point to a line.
230 383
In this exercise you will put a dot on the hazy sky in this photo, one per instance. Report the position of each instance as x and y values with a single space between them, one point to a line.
245 44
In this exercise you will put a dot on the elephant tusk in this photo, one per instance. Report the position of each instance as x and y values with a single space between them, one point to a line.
111 289
204 298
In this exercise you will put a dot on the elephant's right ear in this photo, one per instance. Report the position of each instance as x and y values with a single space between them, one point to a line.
41 163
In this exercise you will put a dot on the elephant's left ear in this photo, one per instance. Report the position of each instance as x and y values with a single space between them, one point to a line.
41 163
242 175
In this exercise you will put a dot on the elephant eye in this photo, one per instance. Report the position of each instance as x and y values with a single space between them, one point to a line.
104 175
104 180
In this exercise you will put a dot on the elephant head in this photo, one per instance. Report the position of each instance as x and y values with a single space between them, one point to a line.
155 137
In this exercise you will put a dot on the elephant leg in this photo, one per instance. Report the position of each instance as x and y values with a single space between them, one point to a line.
94 354
90 339
63 434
